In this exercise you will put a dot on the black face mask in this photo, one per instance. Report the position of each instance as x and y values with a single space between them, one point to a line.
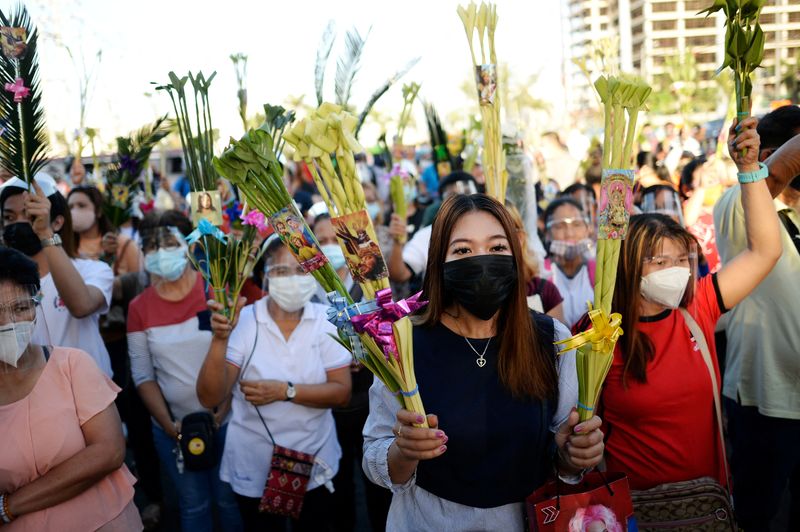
481 284
21 237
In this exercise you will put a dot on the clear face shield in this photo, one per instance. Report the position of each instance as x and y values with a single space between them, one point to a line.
570 239
165 253
21 332
461 187
663 201
588 205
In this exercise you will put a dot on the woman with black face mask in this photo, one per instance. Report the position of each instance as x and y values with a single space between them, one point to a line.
74 291
486 366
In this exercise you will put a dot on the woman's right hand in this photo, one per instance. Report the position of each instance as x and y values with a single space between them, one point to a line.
37 207
397 228
221 325
415 443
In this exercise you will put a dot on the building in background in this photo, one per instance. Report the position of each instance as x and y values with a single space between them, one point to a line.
654 36
586 23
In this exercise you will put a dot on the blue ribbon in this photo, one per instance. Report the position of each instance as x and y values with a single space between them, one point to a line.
587 408
340 313
410 392
206 228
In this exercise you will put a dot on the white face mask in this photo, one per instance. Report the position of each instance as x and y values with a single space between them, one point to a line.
293 292
14 339
82 220
666 287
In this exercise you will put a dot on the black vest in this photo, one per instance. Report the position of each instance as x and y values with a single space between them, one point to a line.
500 449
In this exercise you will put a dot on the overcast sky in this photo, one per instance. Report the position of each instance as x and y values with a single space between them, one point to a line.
142 41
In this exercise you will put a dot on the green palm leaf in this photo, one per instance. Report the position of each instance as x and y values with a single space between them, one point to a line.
23 143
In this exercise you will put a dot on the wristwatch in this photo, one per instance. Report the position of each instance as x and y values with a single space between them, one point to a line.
291 391
752 177
54 240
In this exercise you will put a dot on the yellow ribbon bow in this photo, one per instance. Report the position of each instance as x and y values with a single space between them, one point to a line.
603 335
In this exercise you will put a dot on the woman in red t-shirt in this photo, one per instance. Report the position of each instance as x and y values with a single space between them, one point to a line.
658 406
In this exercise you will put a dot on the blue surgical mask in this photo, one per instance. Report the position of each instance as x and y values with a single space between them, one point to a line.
373 209
167 263
334 254
411 193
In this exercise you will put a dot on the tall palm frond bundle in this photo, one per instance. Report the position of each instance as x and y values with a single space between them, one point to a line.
23 143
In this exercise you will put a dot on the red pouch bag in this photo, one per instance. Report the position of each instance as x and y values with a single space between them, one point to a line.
599 499
287 482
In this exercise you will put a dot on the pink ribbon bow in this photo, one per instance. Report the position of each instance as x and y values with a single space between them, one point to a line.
378 324
19 89
256 219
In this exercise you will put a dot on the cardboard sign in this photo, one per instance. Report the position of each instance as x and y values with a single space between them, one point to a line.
357 237
206 204
12 42
295 234
486 79
616 202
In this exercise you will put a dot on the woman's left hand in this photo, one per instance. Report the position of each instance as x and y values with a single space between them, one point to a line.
743 148
110 244
264 392
580 445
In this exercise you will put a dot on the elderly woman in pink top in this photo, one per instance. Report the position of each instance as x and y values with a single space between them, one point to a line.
61 465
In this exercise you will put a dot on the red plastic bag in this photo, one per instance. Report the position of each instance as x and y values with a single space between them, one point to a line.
601 501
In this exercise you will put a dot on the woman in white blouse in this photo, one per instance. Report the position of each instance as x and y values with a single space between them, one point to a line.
286 373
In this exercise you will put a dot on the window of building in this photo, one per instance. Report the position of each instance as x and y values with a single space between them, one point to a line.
794 16
662 25
663 7
695 5
700 22
665 43
705 58
636 13
701 40
767 18
794 35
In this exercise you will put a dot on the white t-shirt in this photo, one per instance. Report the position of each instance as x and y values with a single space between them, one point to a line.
415 252
575 291
309 353
56 326
763 353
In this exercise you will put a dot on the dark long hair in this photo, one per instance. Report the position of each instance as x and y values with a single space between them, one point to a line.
525 368
646 234
96 197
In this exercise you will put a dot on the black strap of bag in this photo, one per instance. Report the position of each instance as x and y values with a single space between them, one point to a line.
241 374
791 228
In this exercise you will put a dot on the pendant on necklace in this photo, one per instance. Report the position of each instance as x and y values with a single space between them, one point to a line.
481 361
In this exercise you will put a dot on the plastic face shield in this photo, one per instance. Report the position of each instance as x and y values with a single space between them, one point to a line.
663 201
18 323
575 229
168 238
461 187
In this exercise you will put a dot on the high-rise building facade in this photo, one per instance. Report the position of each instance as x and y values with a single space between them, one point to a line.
651 31
585 22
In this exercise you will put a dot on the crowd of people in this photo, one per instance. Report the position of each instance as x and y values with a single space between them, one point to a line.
118 370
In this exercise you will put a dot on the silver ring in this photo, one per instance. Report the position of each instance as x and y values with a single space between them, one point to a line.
399 432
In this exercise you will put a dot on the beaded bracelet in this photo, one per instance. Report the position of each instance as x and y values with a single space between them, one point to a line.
5 513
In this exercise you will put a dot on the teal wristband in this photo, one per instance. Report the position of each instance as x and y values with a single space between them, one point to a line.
752 177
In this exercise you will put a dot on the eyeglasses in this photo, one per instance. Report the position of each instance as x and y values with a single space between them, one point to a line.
281 270
668 261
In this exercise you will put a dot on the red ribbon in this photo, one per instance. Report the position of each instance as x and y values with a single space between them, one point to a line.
378 324
19 89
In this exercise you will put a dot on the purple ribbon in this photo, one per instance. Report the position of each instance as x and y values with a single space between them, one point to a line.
378 324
